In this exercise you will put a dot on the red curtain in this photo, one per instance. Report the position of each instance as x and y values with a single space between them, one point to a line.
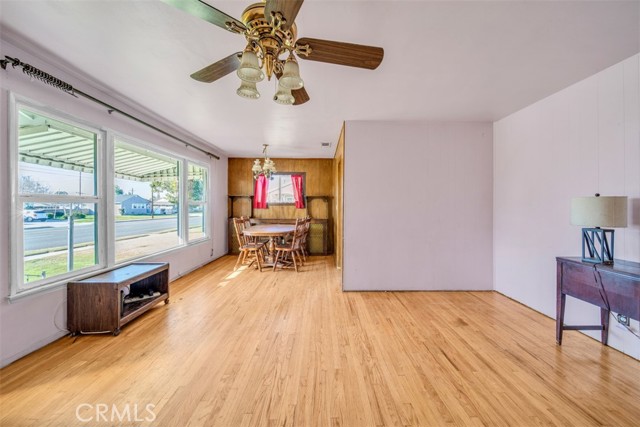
296 180
260 193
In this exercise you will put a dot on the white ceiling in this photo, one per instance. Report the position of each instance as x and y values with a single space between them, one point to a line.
448 60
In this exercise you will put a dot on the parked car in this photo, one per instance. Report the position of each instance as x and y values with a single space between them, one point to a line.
30 216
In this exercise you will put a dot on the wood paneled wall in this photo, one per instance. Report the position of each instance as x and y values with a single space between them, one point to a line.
318 182
338 185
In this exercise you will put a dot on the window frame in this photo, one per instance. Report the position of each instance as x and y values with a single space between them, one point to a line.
18 286
144 145
114 136
304 188
188 201
103 199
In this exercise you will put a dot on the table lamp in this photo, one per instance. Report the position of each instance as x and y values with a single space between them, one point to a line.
594 213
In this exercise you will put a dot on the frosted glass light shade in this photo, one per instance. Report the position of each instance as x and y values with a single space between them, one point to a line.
257 167
249 70
602 211
291 76
269 166
248 90
283 96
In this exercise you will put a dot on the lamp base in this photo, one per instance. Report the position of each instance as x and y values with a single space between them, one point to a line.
597 243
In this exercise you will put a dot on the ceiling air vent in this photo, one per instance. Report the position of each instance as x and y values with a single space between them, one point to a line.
325 144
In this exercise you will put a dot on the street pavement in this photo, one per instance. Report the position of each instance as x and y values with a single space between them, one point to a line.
52 234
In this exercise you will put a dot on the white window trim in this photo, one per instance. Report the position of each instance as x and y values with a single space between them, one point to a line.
205 203
104 200
128 140
17 284
280 174
183 214
63 282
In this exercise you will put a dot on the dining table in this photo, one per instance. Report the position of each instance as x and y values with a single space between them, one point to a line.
273 232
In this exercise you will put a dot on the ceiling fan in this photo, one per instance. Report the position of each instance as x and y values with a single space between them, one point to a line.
272 45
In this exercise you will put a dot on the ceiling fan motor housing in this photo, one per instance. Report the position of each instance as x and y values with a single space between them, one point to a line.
270 39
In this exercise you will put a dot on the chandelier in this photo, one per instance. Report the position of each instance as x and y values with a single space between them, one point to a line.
267 169
267 40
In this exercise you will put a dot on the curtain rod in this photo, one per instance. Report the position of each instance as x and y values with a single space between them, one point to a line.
47 78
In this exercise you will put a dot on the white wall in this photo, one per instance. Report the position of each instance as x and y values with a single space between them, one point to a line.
579 141
417 206
29 323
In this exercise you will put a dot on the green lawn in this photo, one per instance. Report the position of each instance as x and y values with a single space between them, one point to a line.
56 264
88 218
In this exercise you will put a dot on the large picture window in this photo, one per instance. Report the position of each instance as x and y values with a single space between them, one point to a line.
62 178
147 201
57 199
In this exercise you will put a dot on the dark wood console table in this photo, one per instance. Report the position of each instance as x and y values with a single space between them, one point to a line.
614 287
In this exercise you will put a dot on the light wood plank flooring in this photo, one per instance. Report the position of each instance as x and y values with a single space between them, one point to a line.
284 349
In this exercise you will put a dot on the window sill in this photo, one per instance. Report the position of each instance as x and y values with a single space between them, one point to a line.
54 286
50 287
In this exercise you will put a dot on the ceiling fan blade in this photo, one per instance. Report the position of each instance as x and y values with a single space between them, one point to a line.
341 53
288 8
210 14
300 95
219 69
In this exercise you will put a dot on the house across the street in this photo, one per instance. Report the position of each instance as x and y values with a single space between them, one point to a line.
132 204
163 207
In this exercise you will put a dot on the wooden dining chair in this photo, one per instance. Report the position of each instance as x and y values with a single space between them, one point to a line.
289 253
306 223
249 251
246 223
304 237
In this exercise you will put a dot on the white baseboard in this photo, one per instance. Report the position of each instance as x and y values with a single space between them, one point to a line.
33 347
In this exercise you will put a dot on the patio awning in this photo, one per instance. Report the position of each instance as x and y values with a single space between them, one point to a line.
48 142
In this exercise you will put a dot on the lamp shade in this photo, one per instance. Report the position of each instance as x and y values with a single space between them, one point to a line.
291 75
257 167
283 96
599 211
249 70
248 90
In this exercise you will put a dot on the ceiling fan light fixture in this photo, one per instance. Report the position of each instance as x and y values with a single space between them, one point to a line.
270 31
291 75
283 96
249 70
248 90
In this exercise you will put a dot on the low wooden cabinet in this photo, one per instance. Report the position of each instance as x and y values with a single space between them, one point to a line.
106 302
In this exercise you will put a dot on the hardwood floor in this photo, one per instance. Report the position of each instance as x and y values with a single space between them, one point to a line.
287 349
